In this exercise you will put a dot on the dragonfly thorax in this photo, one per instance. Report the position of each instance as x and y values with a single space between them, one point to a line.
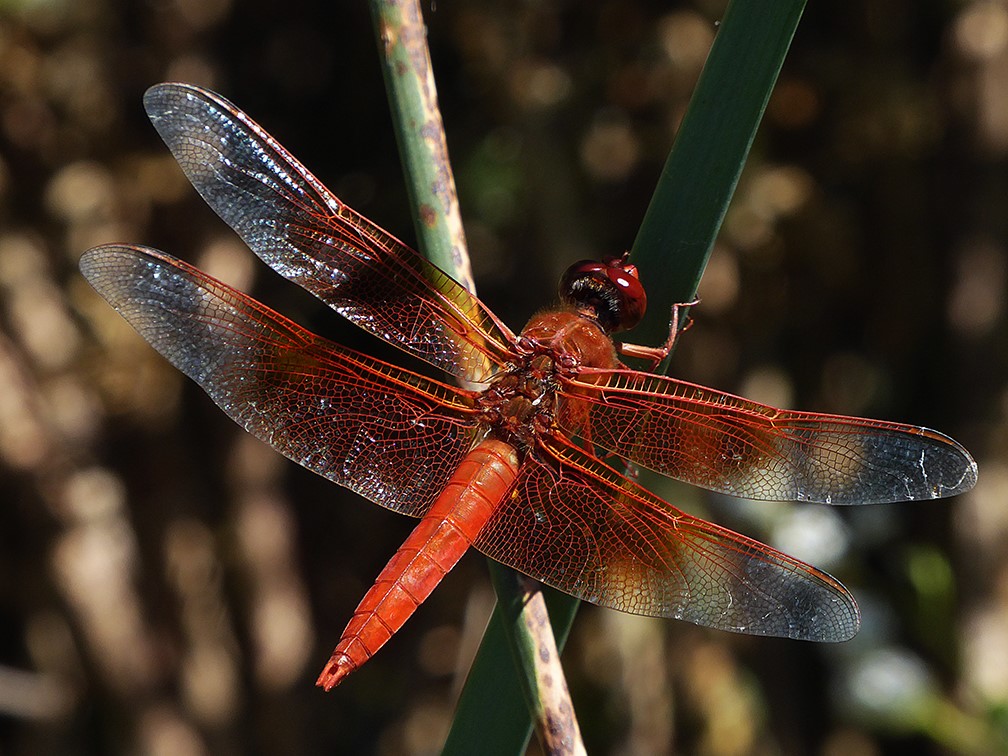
573 339
521 402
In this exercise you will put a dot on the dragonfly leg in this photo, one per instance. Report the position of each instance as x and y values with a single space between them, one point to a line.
678 324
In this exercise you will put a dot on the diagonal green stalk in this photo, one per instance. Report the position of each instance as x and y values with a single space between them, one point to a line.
497 708
409 82
672 247
692 196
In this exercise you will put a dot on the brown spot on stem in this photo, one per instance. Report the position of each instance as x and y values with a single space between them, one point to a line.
428 215
388 38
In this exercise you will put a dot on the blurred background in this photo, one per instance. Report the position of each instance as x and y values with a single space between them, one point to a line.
168 585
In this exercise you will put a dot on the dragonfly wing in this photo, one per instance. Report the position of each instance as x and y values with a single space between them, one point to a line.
305 233
575 524
392 436
729 444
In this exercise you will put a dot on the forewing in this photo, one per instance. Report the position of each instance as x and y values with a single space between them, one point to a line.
392 436
729 444
577 525
301 230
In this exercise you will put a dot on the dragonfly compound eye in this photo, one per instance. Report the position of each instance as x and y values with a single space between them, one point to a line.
610 289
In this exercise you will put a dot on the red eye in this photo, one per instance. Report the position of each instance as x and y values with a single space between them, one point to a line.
611 288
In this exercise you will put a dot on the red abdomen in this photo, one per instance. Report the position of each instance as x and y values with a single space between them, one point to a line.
454 520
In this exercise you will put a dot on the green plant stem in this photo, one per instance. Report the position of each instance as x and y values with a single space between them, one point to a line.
509 643
409 82
675 240
689 203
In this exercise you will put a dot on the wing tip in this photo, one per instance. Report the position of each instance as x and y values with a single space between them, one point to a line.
161 99
103 266
95 259
845 623
831 616
910 463
156 95
835 619
959 471
969 478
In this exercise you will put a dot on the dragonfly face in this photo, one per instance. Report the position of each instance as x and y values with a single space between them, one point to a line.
519 469
610 290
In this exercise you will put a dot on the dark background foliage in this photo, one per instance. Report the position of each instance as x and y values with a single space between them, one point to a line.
168 585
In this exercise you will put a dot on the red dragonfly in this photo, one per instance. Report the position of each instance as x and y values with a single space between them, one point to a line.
518 469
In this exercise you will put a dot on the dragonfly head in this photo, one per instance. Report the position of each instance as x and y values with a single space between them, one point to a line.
611 290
